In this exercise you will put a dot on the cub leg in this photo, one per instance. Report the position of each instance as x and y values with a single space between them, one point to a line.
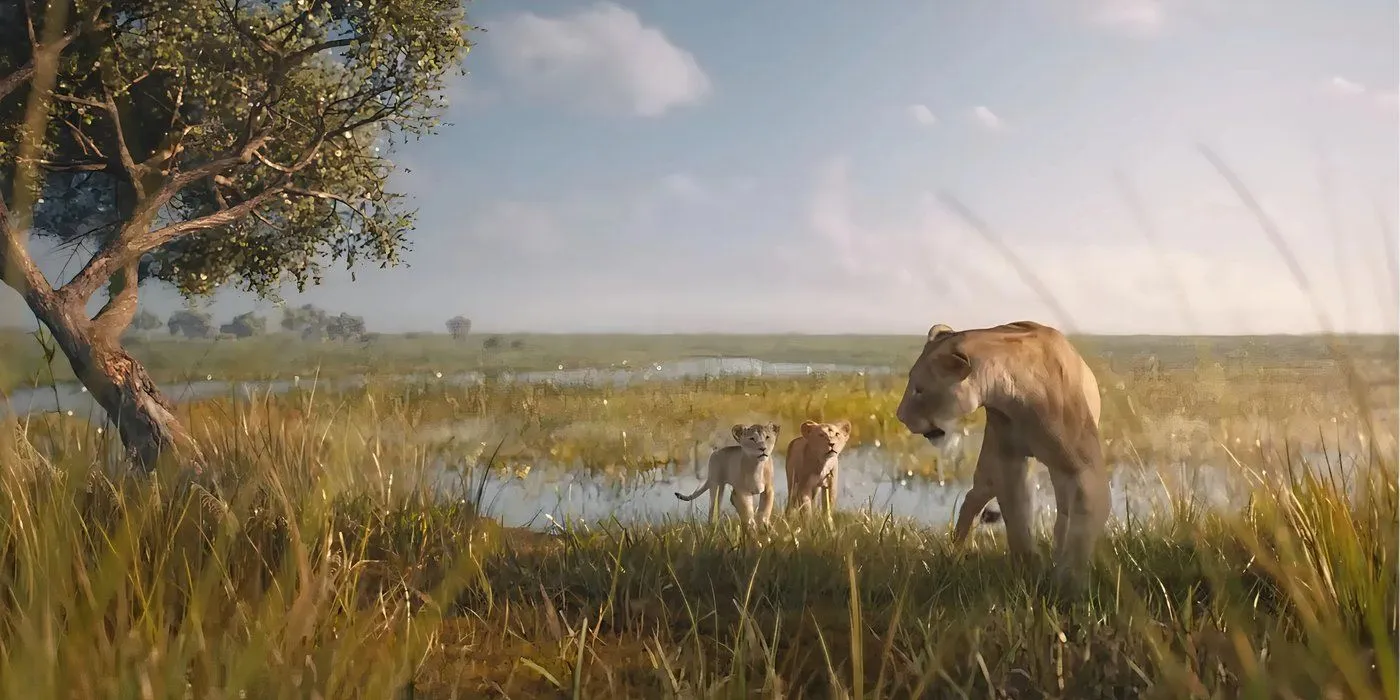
765 505
743 503
716 493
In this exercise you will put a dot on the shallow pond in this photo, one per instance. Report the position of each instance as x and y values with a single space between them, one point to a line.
546 498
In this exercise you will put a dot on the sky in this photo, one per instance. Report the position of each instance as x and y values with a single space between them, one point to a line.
664 166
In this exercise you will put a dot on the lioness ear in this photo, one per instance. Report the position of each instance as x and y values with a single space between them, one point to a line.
956 364
775 428
807 426
938 329
844 426
737 431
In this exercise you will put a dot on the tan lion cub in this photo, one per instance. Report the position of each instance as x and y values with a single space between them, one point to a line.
747 468
812 464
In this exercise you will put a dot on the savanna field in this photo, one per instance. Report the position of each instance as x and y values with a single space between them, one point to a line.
421 532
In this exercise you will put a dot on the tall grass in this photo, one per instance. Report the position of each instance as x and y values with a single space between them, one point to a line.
313 562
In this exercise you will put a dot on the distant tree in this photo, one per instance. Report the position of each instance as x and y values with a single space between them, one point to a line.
459 326
145 321
345 327
190 324
303 318
245 326
491 342
517 344
204 144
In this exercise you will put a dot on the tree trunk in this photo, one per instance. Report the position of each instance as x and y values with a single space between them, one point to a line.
144 418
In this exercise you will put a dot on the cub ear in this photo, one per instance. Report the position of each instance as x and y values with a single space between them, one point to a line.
737 431
808 426
775 428
956 364
938 330
844 426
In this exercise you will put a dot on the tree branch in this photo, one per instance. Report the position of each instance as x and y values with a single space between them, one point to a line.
331 197
17 268
134 172
116 252
115 316
20 76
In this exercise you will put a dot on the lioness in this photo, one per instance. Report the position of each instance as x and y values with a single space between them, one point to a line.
1042 401
811 463
747 468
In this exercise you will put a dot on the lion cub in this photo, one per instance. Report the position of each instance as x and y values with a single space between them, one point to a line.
747 468
812 462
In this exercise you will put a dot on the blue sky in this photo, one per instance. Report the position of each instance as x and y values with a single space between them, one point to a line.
772 167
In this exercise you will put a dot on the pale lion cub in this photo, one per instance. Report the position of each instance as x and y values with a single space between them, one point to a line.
747 468
812 464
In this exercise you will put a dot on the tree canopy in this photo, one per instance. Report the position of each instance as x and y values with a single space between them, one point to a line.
204 143
218 141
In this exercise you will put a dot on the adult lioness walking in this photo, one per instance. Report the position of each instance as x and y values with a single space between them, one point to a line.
1041 401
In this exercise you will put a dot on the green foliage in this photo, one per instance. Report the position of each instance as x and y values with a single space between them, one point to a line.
257 134
191 324
345 327
459 327
245 325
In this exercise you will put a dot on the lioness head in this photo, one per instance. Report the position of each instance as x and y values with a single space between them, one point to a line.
939 392
830 437
757 440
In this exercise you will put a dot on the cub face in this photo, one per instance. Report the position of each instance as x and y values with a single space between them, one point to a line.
939 391
828 437
757 440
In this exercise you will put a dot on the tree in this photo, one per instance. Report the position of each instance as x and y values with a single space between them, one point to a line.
191 324
304 318
345 327
145 321
459 326
245 326
203 143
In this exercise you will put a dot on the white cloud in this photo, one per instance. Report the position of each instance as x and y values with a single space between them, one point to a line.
889 269
601 56
1141 17
1344 86
987 118
922 115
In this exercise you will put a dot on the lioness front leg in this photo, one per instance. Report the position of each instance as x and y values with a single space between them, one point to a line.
1088 509
1064 490
972 506
1006 463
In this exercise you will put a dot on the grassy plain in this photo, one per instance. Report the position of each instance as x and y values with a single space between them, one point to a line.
322 568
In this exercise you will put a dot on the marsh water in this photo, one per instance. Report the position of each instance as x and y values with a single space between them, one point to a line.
549 496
